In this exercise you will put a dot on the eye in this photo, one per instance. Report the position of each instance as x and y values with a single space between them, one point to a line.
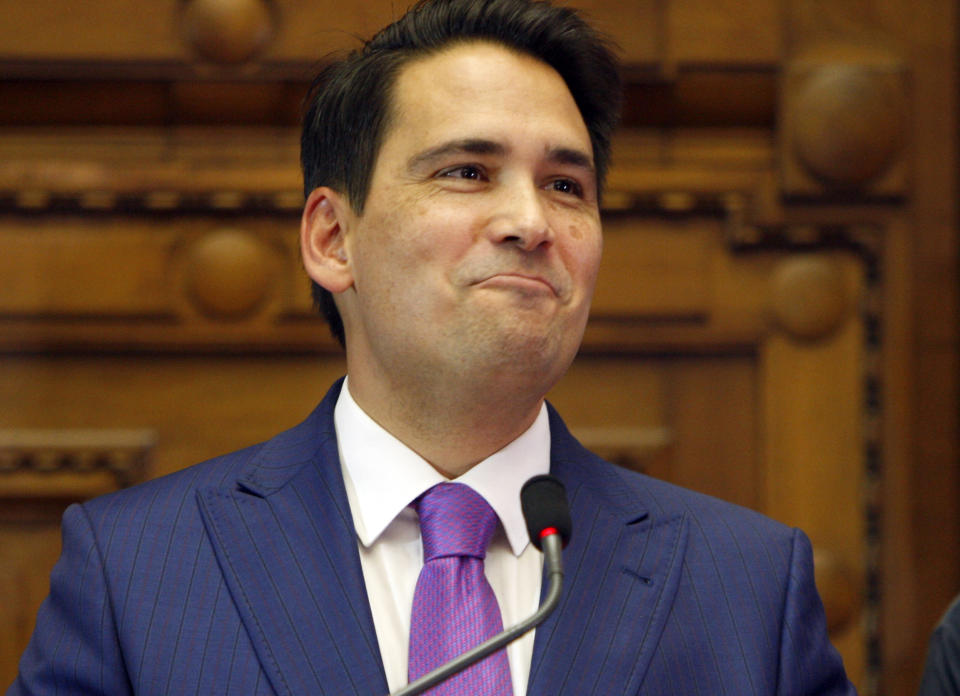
567 186
465 171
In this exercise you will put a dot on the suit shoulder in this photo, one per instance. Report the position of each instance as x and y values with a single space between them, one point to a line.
756 553
268 464
179 484
706 513
636 495
155 520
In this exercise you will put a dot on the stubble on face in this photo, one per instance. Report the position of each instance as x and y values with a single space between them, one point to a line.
438 295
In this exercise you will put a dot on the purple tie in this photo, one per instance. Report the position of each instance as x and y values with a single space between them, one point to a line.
454 608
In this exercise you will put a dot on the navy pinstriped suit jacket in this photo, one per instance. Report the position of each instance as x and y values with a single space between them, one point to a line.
241 576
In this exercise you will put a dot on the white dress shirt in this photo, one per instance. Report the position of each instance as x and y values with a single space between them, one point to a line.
383 476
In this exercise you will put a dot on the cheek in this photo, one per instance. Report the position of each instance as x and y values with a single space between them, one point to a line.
575 232
410 249
586 249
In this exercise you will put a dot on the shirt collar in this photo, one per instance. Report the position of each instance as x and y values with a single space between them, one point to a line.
387 476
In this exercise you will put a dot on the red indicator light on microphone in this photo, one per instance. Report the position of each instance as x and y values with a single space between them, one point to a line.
547 531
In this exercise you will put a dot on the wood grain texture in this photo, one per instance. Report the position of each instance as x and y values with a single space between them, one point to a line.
120 152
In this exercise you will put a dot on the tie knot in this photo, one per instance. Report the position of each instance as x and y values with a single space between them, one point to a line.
455 520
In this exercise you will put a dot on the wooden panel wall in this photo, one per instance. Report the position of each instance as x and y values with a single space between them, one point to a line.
776 321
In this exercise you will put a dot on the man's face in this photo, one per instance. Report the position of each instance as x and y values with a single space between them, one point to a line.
479 243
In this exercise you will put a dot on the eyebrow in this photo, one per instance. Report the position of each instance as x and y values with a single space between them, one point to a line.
471 146
480 146
576 158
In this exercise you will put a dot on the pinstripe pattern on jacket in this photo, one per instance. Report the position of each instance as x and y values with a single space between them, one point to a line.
241 576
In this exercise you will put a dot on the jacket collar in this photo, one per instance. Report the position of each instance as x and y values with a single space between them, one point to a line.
286 545
622 571
307 611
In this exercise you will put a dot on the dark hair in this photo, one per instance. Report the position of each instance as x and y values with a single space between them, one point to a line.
348 106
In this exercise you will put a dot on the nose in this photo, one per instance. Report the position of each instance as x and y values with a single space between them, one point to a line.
521 219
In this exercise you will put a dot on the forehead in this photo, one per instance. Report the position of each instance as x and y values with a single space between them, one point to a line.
483 89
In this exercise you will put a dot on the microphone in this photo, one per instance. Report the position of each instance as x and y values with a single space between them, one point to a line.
545 510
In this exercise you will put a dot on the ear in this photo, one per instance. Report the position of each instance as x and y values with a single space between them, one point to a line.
323 227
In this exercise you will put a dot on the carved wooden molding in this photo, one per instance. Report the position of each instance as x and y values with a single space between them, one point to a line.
843 110
840 589
866 242
221 201
228 32
227 282
45 463
159 192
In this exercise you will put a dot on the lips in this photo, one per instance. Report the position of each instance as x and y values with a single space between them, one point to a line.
536 276
525 279
520 280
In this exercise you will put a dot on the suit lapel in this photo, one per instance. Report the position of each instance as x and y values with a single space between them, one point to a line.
622 572
285 542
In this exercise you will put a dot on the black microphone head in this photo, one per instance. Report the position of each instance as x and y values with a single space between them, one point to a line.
544 502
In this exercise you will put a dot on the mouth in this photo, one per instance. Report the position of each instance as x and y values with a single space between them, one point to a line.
523 282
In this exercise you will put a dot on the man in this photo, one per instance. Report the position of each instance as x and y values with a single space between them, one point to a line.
453 170
941 673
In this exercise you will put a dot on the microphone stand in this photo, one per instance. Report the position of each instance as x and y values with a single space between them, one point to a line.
553 553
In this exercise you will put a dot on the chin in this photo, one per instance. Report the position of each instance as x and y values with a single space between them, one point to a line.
516 343
538 356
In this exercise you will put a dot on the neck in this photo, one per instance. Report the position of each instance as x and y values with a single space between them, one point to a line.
453 427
